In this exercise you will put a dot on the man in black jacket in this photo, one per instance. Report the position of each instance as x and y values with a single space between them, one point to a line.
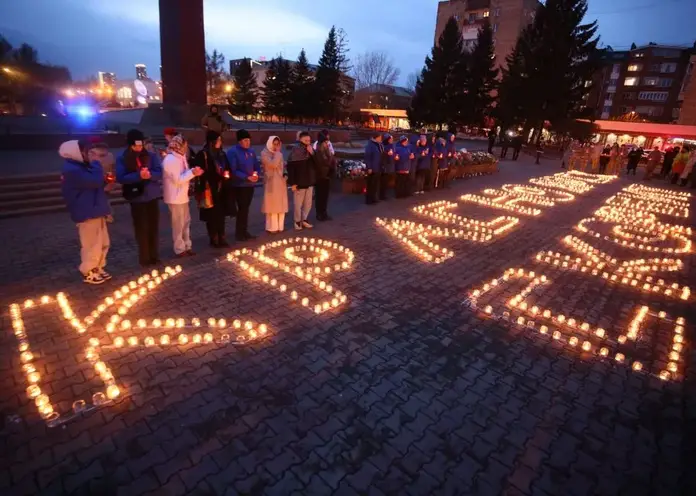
324 159
301 178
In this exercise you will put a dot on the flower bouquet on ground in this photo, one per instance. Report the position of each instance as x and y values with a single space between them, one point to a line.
352 174
475 163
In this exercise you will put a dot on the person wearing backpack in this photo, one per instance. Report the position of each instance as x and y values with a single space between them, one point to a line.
140 174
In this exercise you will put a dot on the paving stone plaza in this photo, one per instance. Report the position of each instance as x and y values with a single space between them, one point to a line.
527 332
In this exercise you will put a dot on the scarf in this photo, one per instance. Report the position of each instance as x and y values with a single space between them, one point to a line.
177 145
134 160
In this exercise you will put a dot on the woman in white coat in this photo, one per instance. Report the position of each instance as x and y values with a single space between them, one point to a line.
275 188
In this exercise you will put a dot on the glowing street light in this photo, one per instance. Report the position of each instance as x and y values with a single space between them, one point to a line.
7 70
228 88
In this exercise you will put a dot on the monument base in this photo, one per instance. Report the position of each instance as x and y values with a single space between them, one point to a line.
187 115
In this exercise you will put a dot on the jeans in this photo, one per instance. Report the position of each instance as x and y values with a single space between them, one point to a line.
243 197
302 203
146 226
181 227
94 244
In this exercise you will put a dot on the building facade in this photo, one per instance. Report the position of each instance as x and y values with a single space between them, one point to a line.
106 79
687 94
644 83
382 96
507 17
141 72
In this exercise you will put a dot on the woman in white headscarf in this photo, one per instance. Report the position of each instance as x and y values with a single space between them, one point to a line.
275 188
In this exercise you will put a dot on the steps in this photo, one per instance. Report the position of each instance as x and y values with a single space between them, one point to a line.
37 194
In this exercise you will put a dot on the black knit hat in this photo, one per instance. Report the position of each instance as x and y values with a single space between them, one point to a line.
211 136
243 134
134 135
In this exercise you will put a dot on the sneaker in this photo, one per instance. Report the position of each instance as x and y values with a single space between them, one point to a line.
298 226
306 225
104 274
190 253
93 277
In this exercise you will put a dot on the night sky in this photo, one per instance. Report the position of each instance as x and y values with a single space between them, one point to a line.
112 35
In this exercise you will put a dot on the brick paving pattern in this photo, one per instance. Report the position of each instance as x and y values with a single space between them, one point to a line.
401 390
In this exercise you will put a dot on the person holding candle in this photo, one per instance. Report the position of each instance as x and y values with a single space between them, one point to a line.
422 164
326 165
275 187
245 169
373 162
434 152
214 190
176 178
444 159
82 185
402 167
387 175
680 162
301 178
140 173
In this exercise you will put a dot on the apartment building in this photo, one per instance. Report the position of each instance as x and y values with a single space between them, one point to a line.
687 95
507 17
644 83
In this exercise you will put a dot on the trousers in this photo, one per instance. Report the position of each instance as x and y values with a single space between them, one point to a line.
302 203
181 227
146 226
421 178
94 244
321 192
384 180
403 185
372 187
275 222
243 197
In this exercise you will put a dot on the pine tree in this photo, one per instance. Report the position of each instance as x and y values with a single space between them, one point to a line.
245 93
329 91
439 95
276 88
555 56
481 77
303 103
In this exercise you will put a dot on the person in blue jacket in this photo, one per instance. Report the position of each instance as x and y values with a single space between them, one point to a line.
140 174
451 154
83 191
434 152
402 167
373 162
245 168
387 165
413 144
422 164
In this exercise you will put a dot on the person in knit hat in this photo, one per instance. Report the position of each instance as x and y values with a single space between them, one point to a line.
82 187
176 176
245 174
140 173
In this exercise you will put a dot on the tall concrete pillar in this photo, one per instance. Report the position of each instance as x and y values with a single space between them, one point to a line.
182 40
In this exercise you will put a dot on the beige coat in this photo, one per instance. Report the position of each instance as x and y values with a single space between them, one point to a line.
275 187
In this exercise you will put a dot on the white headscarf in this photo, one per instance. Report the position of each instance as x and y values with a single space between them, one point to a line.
269 143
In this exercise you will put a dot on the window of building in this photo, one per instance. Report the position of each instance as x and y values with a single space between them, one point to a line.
607 109
655 96
472 17
639 55
669 67
631 81
651 111
486 13
666 52
665 82
588 83
629 96
613 82
635 67
495 27
650 81
655 68
496 12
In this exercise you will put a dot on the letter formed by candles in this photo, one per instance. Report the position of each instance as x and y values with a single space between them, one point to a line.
306 263
620 346
120 332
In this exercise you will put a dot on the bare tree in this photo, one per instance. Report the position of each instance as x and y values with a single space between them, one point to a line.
215 74
412 79
374 68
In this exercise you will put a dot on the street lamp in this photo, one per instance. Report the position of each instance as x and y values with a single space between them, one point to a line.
7 70
228 88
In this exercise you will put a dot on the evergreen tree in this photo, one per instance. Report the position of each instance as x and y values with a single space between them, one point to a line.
329 92
276 88
245 92
303 102
482 76
440 90
555 56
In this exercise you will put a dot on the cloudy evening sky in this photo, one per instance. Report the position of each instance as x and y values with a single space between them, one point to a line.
113 35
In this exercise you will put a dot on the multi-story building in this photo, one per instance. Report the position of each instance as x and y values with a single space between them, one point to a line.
382 96
507 17
106 78
687 95
140 72
644 83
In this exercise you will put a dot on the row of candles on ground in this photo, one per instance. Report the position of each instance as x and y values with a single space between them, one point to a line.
518 302
477 230
304 268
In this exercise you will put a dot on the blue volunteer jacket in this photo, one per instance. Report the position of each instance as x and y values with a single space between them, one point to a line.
388 163
373 156
404 162
83 190
422 156
451 148
153 186
243 163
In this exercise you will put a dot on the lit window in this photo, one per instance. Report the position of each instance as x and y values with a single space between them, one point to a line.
588 83
650 81
671 67
631 81
634 67
486 13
